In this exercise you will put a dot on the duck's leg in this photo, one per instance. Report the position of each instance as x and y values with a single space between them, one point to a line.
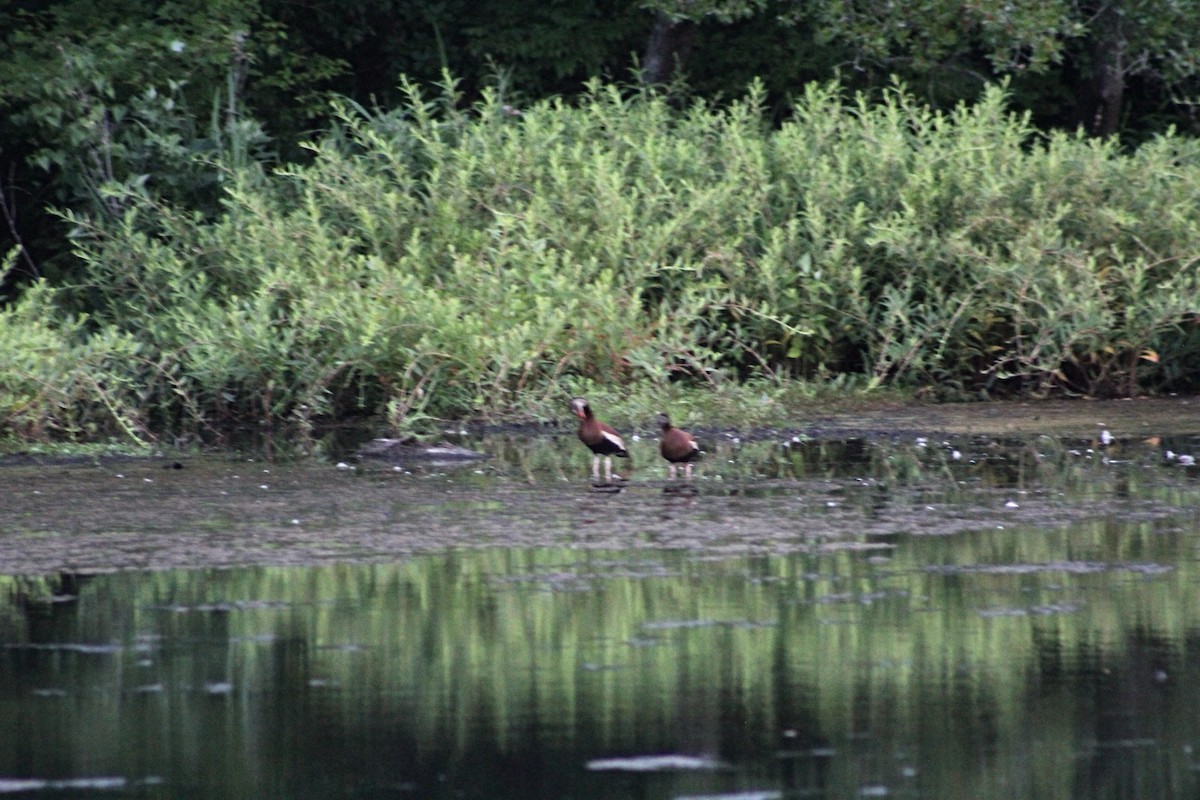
671 471
687 471
596 467
608 469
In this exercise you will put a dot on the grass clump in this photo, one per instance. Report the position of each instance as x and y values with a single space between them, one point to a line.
436 260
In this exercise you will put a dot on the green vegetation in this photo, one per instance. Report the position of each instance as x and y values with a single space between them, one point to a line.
446 260
226 214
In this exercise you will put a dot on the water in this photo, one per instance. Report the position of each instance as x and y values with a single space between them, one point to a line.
967 618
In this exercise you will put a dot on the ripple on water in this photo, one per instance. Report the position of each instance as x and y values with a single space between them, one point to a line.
761 795
96 784
654 763
1073 567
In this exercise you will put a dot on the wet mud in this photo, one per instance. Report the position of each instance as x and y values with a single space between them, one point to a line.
839 483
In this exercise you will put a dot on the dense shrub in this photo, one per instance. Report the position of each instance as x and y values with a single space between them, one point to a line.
440 260
60 379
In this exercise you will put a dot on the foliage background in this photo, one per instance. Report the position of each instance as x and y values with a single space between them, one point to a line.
232 212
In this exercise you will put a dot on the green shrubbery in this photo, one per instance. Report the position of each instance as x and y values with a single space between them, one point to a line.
440 261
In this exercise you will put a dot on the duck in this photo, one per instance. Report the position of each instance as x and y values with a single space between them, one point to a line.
677 447
601 439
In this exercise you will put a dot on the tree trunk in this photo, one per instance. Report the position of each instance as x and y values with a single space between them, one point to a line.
1108 72
668 48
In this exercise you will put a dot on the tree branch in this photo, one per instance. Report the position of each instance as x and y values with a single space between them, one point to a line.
9 209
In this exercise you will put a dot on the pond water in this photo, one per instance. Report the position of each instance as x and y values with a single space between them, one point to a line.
874 617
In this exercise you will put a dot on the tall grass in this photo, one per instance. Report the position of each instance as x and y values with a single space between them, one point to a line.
443 260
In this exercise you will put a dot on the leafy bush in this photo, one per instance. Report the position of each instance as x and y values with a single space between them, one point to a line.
435 260
60 379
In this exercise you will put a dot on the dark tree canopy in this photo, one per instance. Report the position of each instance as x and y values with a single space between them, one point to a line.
110 93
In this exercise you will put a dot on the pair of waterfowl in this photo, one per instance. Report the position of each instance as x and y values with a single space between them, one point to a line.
677 446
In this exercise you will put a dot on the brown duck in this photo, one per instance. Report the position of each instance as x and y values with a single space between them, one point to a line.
601 439
677 447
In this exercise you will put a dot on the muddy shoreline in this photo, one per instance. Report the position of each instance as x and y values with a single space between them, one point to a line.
1131 417
852 482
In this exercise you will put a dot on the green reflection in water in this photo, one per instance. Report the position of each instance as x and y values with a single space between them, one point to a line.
996 664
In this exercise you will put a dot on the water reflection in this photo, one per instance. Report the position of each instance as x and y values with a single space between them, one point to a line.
940 671
764 463
943 619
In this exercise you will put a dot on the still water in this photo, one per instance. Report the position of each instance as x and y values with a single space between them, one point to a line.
856 619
